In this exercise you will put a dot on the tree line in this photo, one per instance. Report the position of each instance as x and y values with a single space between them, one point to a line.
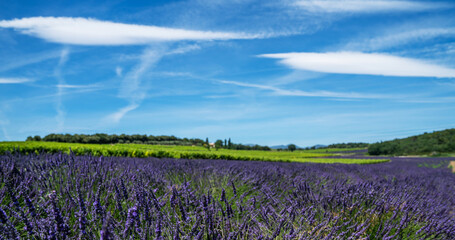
102 138
427 143
228 144
349 145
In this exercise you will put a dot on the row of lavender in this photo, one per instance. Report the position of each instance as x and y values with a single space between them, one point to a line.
81 197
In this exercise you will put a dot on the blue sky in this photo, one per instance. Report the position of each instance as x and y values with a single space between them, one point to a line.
257 71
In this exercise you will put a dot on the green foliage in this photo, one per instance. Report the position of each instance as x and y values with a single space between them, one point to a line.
102 138
207 144
218 144
332 150
428 143
442 164
187 152
349 145
246 147
292 147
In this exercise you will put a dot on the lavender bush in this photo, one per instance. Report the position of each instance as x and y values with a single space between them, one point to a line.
81 197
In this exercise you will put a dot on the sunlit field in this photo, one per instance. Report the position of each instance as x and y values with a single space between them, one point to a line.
186 152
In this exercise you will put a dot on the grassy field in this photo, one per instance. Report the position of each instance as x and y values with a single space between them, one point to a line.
187 152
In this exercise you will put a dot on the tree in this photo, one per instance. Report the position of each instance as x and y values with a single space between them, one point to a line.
292 147
207 143
218 144
229 143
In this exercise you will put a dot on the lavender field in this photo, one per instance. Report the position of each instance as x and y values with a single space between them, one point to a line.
81 197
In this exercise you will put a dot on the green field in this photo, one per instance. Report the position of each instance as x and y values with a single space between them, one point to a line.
332 150
187 152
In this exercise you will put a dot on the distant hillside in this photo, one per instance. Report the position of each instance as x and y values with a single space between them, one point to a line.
282 147
279 147
436 142
319 146
349 145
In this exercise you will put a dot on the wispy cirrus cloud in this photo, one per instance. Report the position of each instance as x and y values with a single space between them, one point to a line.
14 80
93 32
131 88
118 115
27 60
398 38
60 109
118 71
365 6
81 87
298 93
362 63
88 31
3 125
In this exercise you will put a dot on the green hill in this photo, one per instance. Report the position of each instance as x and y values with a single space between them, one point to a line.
427 143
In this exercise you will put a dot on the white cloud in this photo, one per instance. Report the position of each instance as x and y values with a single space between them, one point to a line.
63 56
131 85
362 63
3 124
118 71
131 88
362 6
88 31
71 86
184 49
299 93
400 37
14 80
5 133
61 86
17 62
117 116
294 76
